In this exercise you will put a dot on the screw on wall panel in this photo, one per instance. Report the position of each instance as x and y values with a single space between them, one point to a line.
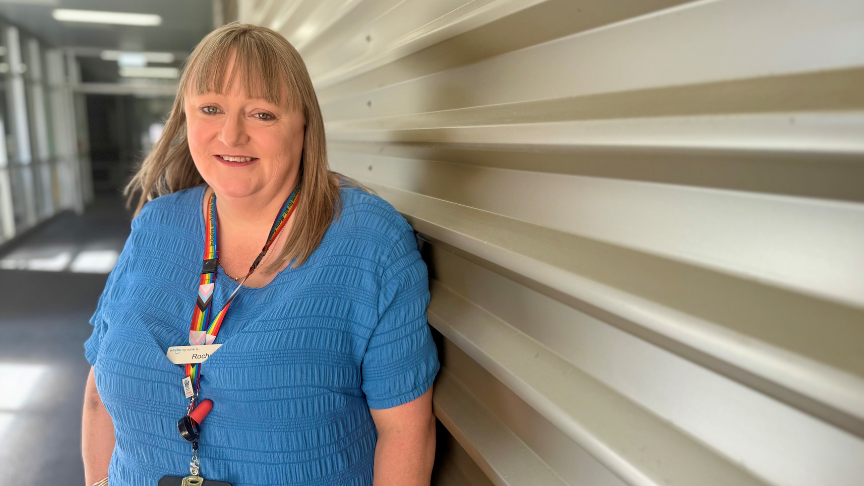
368 38
370 167
369 103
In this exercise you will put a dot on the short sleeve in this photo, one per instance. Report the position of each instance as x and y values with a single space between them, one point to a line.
401 360
98 320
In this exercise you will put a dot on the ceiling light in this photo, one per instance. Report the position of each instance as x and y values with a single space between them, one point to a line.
163 57
149 72
131 59
101 17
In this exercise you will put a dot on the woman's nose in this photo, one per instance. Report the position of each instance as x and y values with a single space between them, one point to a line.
233 132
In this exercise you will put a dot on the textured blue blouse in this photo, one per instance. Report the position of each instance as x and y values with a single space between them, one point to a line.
303 358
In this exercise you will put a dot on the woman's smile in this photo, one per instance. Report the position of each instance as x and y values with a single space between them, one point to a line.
236 160
238 130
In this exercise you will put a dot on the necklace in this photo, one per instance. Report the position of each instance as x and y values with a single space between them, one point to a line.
263 260
228 274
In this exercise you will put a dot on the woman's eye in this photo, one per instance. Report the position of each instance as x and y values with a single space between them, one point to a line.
264 116
210 110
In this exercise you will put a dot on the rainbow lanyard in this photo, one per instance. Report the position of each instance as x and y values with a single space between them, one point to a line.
198 335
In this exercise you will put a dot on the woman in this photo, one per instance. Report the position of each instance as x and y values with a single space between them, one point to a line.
326 363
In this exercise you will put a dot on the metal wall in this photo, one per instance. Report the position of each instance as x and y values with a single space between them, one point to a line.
643 220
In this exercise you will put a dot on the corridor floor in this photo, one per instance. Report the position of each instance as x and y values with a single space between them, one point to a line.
44 312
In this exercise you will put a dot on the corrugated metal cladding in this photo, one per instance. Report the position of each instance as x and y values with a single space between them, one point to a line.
644 222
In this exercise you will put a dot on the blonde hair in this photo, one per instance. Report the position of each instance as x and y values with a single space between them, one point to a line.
270 68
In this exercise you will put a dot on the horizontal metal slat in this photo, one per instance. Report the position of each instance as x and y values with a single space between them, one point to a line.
776 441
501 455
253 11
502 31
652 51
300 11
414 25
326 13
573 464
800 173
349 36
453 466
280 17
819 132
821 92
636 446
790 353
811 246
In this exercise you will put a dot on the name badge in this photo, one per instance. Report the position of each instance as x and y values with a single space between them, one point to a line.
191 354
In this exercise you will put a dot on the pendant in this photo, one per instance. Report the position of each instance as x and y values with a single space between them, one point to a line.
192 481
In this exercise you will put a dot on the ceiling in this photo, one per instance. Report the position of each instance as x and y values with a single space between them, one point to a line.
184 23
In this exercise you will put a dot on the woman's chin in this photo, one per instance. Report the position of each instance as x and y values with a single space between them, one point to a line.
232 189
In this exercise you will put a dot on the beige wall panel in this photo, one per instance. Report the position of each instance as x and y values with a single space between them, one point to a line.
404 24
801 173
499 28
644 223
298 13
494 447
774 440
808 347
813 245
319 18
463 380
697 43
634 444
283 13
348 34
258 11
453 466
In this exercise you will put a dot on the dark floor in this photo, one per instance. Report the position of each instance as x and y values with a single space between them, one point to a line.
43 326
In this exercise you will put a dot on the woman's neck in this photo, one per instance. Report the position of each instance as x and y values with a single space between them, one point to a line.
252 214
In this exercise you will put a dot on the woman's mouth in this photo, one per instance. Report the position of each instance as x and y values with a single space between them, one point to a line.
236 160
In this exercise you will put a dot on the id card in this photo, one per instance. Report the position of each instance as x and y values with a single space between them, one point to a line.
188 390
191 354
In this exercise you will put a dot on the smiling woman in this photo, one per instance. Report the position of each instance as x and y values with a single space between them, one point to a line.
325 361
273 108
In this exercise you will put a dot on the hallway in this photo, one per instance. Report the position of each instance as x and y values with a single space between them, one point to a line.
43 325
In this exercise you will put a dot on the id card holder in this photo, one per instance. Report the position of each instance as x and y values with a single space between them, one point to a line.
178 481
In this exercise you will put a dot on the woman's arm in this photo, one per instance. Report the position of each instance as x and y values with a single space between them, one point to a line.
97 434
406 443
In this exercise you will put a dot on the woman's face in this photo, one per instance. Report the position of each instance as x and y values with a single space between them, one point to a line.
243 146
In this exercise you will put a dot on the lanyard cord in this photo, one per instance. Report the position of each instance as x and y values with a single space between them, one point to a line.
201 313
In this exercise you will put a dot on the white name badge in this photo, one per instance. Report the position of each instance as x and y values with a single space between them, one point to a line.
191 354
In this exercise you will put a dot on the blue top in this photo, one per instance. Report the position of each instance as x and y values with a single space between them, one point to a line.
303 360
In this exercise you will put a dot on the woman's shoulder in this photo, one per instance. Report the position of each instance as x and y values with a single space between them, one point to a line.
171 223
179 206
370 227
364 209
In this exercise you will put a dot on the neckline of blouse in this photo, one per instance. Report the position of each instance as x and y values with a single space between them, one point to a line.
219 270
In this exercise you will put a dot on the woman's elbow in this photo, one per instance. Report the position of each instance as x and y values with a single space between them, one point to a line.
92 400
431 441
